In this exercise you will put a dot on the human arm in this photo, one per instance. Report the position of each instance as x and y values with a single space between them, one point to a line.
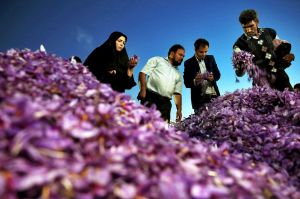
178 103
95 64
143 85
289 57
215 73
128 82
100 63
286 60
123 76
191 76
144 74
131 65
178 97
283 52
128 77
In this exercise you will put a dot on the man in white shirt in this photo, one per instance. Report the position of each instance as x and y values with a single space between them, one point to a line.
160 79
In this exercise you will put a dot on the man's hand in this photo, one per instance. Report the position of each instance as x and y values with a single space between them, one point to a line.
198 79
178 103
178 116
240 69
210 77
142 94
289 57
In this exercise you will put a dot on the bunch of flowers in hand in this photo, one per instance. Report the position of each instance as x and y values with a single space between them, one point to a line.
244 61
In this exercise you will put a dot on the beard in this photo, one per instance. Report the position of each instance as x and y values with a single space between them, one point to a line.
176 63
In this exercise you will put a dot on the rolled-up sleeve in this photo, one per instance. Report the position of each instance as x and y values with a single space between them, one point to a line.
150 65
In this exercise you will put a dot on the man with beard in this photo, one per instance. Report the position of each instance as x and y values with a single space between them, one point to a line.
160 79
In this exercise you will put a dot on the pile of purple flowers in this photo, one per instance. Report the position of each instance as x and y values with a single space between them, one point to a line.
261 123
64 135
255 73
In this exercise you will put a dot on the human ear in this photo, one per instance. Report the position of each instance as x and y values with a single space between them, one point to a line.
172 55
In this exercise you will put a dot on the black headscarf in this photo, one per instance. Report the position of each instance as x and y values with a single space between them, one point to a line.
120 59
110 45
106 58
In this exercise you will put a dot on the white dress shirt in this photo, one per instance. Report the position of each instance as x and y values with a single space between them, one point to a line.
162 77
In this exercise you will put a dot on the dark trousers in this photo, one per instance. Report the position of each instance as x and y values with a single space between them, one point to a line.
205 98
163 104
282 81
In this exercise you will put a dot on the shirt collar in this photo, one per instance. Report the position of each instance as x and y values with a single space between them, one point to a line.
167 60
198 59
260 31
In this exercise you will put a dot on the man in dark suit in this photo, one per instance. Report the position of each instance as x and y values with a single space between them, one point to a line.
201 74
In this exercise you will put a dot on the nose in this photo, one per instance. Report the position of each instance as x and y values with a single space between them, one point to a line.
247 30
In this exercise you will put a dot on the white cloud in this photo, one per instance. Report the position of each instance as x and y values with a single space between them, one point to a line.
84 39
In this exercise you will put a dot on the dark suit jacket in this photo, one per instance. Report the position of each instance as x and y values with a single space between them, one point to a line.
191 67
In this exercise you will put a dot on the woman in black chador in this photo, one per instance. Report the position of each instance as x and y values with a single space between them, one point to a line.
110 63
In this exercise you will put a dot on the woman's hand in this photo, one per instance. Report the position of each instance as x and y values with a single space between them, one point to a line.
133 61
131 64
112 72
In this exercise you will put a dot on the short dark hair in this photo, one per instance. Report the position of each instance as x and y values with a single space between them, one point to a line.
201 42
248 15
297 86
76 58
174 48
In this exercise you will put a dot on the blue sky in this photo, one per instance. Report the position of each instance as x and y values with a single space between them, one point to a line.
69 28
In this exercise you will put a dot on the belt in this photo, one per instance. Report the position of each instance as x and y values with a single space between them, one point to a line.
156 95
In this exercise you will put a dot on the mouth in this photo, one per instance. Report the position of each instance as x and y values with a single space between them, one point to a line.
250 34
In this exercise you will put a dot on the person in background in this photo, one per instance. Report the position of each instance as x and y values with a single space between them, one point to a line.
297 88
160 79
110 63
75 59
201 74
271 53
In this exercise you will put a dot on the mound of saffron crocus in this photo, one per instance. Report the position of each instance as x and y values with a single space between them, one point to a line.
261 123
65 135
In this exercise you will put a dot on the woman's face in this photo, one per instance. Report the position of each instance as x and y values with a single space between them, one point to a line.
120 43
